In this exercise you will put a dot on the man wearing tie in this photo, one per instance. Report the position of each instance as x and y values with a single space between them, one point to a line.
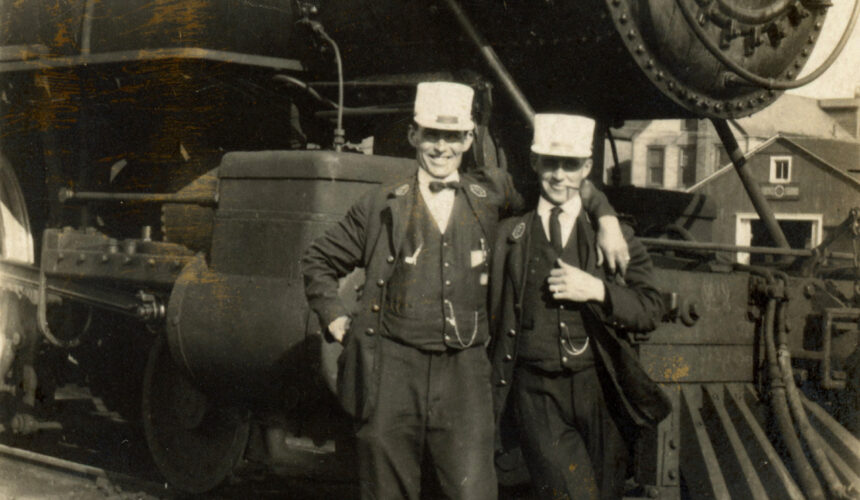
414 371
577 391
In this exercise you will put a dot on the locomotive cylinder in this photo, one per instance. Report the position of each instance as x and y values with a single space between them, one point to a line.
238 324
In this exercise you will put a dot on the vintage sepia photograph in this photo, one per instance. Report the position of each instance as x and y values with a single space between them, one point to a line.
430 249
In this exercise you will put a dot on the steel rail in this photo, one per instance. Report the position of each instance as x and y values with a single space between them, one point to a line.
77 468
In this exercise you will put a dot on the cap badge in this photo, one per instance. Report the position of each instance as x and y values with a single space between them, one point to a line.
518 231
402 190
478 190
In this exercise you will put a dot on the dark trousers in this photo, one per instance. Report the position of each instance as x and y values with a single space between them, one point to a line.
434 415
571 444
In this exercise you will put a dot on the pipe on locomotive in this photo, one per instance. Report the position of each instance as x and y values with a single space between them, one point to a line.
493 61
808 480
813 440
339 132
756 197
768 83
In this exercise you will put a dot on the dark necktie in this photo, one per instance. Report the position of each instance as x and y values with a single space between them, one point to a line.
555 230
437 186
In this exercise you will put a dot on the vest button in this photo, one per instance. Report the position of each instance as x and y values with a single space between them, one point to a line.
447 338
374 308
380 282
561 306
447 282
390 259
564 359
508 357
561 324
503 382
512 333
369 331
447 264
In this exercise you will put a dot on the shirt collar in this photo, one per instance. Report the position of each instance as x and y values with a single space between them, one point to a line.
571 207
424 179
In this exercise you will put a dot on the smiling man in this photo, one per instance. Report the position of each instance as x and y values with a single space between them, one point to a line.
579 394
414 371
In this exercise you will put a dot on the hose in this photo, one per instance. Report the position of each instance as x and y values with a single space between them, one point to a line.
813 440
768 83
339 133
808 480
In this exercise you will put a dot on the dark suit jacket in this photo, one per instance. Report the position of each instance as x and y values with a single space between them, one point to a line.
370 237
635 305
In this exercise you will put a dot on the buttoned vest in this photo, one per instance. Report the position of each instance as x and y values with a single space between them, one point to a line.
436 296
553 331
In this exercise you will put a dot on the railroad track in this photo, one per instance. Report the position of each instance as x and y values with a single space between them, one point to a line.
25 473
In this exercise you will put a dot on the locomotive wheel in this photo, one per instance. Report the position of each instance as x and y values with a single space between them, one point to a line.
195 443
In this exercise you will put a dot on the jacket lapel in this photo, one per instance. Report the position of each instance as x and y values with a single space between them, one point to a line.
476 196
401 200
585 242
519 255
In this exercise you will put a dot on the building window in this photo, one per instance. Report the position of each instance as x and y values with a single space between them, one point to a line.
721 156
687 165
780 169
691 125
655 166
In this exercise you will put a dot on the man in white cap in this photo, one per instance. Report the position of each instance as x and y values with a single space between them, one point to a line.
577 390
414 371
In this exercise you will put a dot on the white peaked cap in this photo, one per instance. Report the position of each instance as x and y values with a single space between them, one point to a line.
444 106
563 135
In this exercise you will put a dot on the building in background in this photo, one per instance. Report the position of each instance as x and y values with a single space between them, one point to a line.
676 154
807 183
803 153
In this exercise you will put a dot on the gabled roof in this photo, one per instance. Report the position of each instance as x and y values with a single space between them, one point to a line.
793 115
812 147
844 155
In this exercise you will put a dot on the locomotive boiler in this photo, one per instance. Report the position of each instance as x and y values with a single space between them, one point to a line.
165 164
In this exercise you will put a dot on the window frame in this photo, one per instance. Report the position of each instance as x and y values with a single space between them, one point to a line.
690 167
774 161
648 167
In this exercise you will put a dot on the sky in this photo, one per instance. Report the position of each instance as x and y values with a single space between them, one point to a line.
843 77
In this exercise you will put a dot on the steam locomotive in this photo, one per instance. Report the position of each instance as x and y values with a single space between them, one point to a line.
163 165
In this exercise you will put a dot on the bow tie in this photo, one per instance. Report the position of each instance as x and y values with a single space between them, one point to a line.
437 186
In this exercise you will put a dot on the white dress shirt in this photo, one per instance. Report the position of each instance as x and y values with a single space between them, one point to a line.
567 218
440 204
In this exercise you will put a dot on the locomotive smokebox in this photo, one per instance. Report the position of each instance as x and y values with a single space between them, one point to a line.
614 58
237 321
